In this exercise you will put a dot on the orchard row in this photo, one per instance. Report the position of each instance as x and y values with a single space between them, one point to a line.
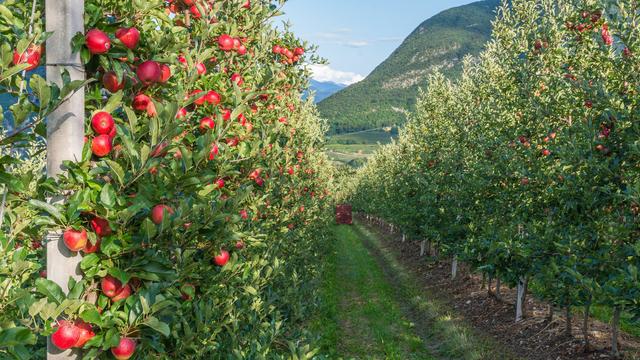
527 167
199 201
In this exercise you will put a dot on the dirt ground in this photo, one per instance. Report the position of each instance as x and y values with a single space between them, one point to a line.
533 338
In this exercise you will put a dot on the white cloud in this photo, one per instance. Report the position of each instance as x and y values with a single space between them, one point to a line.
356 43
326 73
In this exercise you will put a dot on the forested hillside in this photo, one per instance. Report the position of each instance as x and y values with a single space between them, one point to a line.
439 43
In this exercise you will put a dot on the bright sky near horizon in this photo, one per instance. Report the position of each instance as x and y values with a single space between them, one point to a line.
357 35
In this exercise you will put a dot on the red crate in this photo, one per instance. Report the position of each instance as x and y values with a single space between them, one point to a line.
343 214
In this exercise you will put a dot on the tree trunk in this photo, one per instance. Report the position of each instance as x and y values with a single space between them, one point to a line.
520 299
484 281
585 325
615 325
524 297
489 283
550 314
567 318
498 285
422 247
454 268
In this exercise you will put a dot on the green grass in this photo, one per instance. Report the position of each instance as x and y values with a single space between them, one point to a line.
360 316
372 308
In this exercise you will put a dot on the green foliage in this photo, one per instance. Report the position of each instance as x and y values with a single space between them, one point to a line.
263 195
527 166
438 44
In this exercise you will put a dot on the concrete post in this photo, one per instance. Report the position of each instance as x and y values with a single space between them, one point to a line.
65 133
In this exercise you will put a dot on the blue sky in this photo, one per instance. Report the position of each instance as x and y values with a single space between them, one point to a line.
357 35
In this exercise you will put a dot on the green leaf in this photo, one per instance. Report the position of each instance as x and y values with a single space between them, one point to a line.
114 102
92 316
117 170
51 290
49 209
40 89
159 326
16 336
119 274
108 196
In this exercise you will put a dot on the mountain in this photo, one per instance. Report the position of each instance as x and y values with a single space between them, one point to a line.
440 43
324 89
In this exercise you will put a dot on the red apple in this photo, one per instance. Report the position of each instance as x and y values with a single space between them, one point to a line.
101 226
30 56
298 51
201 97
75 240
214 152
125 349
91 248
110 286
181 113
149 72
141 102
166 73
207 123
66 335
111 82
86 333
158 212
97 42
212 97
124 293
222 258
226 114
237 78
201 68
277 49
225 42
129 37
220 183
101 145
102 123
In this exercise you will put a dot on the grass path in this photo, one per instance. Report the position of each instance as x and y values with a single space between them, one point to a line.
374 309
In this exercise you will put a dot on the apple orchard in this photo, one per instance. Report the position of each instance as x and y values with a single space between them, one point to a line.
200 199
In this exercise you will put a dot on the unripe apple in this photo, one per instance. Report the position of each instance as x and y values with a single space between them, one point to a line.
129 37
222 258
125 349
101 145
97 42
75 240
158 213
102 123
149 72
65 336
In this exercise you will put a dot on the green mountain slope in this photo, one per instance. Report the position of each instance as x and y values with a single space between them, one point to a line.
439 43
